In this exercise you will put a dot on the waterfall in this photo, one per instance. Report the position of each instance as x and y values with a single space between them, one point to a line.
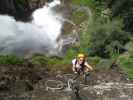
38 36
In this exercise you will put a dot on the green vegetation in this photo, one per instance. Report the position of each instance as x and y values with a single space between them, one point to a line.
103 39
122 8
78 17
39 60
107 38
81 2
10 60
21 5
126 64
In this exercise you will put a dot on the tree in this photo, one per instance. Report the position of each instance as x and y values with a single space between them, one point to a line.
122 8
106 38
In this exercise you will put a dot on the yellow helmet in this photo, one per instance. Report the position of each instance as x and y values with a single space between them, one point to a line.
81 55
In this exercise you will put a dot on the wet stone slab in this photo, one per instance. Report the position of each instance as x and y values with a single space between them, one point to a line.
103 91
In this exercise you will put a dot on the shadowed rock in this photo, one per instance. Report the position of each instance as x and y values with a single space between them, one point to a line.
20 9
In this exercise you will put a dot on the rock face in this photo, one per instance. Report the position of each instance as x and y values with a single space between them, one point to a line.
28 82
20 9
19 78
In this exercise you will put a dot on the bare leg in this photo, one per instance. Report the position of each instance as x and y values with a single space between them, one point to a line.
86 76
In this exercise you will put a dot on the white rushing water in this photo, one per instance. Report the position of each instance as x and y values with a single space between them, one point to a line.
38 36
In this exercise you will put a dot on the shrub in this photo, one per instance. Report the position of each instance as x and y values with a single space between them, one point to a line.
10 60
107 38
125 62
39 60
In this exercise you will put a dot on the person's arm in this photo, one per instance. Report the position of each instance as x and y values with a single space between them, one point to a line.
88 66
73 68
73 65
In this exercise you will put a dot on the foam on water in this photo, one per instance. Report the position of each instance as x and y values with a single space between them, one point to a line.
40 35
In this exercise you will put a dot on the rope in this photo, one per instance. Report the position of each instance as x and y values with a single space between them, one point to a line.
59 85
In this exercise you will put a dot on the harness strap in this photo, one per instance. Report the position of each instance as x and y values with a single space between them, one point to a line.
82 66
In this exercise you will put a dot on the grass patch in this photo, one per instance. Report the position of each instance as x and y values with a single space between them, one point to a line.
10 60
55 63
126 64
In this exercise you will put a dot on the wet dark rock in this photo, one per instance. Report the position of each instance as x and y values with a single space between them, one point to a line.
28 83
4 84
19 79
20 9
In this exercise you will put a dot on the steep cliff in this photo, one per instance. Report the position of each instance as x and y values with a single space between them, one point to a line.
20 9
